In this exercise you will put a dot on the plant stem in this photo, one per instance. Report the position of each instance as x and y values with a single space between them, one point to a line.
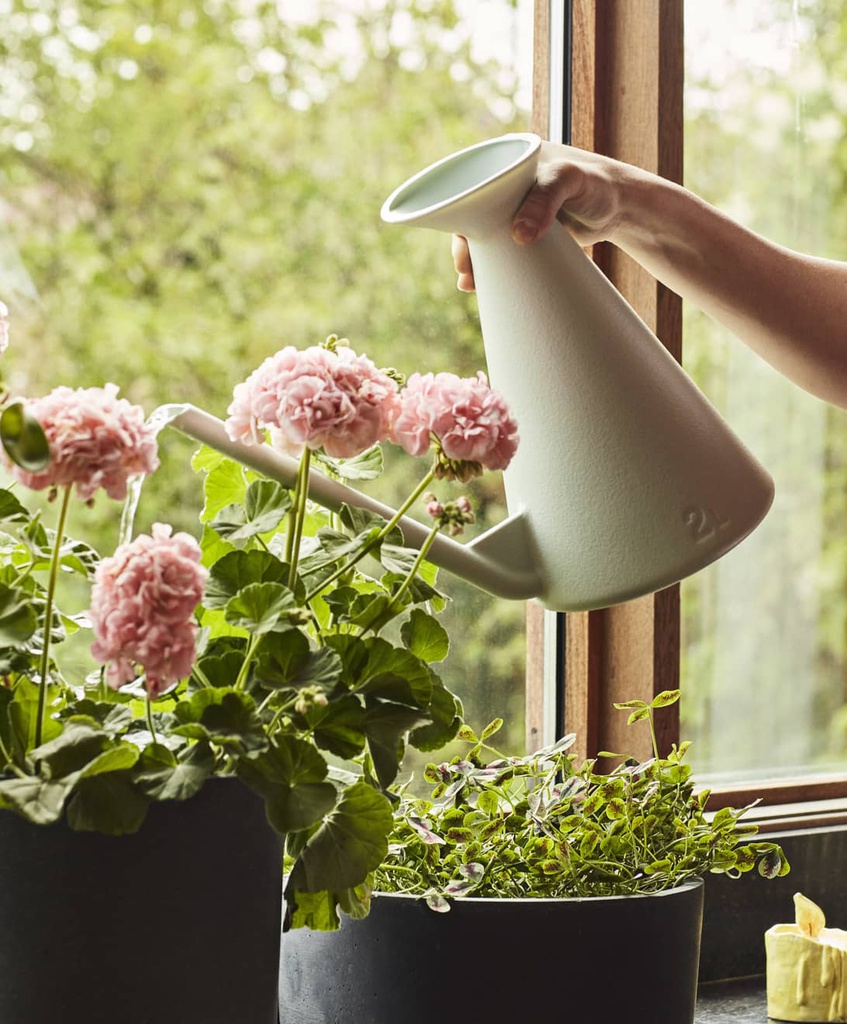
653 734
383 533
407 582
245 666
48 613
201 677
149 709
295 532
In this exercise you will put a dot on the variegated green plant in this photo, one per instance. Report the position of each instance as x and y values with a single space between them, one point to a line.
545 826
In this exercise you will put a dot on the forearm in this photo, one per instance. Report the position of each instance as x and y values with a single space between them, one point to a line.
789 308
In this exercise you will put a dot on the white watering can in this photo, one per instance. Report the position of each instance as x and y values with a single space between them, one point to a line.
626 479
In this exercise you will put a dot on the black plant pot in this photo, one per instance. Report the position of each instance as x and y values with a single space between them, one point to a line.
615 960
178 924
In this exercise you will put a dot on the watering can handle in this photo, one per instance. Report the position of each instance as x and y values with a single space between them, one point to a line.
499 561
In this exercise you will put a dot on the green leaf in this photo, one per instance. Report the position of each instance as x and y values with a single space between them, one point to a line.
23 712
76 746
107 803
339 727
386 726
261 608
424 636
225 482
115 759
350 843
317 911
773 864
223 669
265 506
213 546
285 661
224 716
11 510
665 699
338 547
489 802
239 569
38 800
638 715
360 520
377 668
181 779
290 776
18 617
491 729
294 808
366 466
445 712
24 439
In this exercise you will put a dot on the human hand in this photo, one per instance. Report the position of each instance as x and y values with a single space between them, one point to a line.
582 190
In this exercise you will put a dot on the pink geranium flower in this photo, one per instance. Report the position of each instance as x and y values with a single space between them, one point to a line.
142 609
470 422
317 397
96 440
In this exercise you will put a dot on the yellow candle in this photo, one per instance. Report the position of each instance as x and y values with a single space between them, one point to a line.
806 967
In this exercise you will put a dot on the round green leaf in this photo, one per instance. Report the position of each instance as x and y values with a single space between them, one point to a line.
24 439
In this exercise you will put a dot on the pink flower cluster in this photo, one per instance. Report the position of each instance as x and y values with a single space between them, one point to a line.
142 609
96 440
316 397
331 398
470 420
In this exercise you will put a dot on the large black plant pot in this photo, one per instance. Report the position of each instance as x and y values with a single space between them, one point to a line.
615 960
177 924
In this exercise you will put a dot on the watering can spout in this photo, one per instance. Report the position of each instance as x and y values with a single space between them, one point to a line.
499 561
626 479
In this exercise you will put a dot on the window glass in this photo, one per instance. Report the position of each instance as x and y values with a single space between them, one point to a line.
764 629
186 188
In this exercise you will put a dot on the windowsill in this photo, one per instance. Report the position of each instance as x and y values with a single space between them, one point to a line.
741 1001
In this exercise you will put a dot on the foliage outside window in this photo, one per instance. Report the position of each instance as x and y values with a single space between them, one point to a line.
764 637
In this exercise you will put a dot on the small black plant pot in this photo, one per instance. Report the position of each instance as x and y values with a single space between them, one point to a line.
177 924
609 960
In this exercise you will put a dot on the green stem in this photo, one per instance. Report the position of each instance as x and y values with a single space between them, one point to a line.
295 533
201 677
292 513
407 582
383 533
48 613
653 734
241 681
150 726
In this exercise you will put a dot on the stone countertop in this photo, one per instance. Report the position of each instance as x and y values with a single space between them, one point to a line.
732 1002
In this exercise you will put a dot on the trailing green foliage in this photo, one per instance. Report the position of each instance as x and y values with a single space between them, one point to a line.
543 826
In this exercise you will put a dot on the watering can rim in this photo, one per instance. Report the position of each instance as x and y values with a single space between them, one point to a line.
391 216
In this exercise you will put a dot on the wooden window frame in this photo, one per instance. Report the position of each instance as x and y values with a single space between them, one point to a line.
626 101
